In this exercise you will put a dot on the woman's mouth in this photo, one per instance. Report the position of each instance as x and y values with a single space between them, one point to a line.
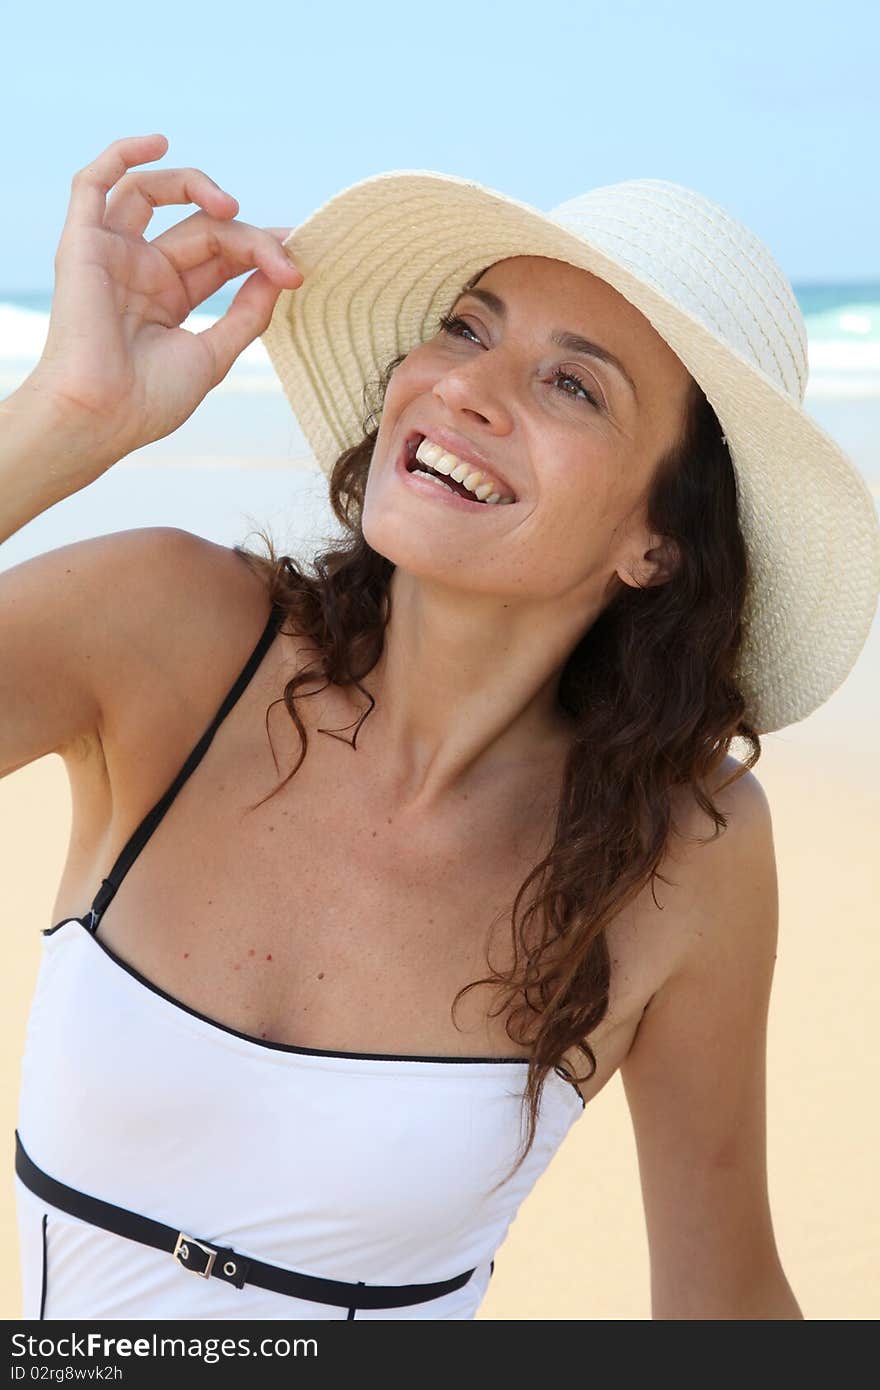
431 467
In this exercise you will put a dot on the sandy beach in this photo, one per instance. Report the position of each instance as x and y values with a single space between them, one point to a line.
577 1248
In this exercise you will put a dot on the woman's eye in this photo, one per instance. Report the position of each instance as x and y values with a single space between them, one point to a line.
451 323
562 376
456 328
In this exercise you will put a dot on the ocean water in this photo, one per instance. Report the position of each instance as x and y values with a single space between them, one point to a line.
241 459
842 319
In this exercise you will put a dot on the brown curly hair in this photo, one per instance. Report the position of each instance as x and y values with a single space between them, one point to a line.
650 694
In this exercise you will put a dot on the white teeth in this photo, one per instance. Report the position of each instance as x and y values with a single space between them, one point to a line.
428 452
445 462
430 476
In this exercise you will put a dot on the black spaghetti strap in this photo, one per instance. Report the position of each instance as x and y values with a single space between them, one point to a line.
141 835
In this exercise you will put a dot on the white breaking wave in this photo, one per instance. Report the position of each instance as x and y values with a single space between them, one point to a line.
23 337
837 367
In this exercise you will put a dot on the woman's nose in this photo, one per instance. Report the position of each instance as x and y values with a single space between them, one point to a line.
476 389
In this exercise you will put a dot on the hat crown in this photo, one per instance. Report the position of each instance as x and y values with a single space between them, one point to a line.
699 257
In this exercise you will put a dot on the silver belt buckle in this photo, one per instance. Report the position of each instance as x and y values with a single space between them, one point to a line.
181 1254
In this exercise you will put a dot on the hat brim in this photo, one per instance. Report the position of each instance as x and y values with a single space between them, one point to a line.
385 257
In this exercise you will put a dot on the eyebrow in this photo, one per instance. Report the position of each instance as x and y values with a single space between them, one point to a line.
570 342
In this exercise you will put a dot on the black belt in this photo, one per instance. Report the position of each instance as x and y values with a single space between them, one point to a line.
205 1258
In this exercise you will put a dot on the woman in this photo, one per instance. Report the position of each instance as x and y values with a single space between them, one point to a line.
246 1066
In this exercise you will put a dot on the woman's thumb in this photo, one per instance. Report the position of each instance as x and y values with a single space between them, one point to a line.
246 318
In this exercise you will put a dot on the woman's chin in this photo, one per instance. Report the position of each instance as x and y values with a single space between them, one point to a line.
393 535
416 563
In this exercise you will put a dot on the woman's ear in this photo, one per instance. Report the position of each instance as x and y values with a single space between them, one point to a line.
656 565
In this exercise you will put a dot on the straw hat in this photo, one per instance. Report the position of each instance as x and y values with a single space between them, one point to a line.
383 258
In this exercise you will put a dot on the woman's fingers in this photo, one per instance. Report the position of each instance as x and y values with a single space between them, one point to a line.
133 199
206 249
203 280
91 184
246 318
199 239
250 311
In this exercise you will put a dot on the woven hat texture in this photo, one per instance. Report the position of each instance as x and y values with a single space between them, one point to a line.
386 256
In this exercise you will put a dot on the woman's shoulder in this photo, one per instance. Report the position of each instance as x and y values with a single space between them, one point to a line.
208 583
182 615
737 793
719 883
702 882
208 609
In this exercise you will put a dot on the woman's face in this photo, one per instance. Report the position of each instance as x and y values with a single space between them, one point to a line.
572 436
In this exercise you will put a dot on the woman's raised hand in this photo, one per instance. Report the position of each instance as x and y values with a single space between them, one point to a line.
116 360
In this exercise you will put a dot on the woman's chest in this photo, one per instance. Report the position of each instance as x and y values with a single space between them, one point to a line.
317 914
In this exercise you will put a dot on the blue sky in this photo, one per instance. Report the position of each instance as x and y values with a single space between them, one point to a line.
772 109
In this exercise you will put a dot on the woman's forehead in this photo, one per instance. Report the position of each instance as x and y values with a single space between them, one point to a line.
536 277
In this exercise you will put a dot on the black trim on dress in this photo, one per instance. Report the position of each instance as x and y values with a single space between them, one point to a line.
206 1258
45 1280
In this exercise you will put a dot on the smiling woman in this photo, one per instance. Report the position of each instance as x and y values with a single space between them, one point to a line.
514 854
574 447
621 548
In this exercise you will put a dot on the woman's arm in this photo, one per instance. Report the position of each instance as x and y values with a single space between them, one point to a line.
695 1080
